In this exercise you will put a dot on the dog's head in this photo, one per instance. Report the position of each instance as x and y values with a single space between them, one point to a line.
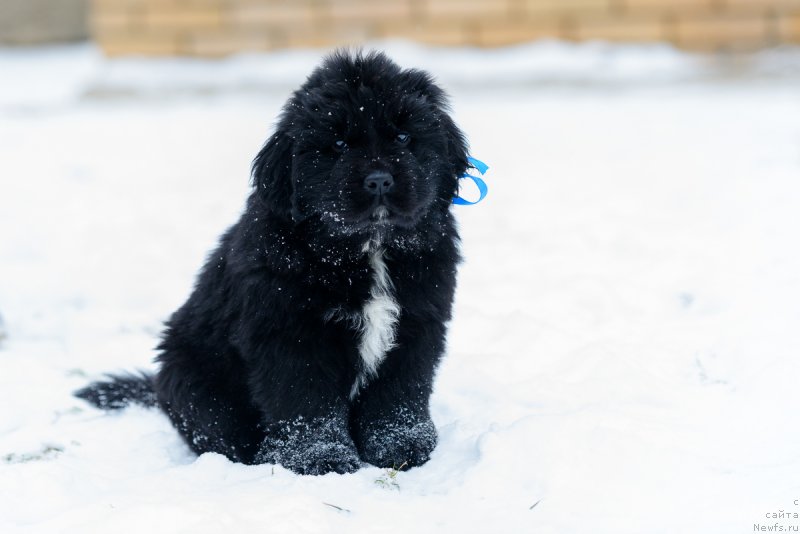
362 144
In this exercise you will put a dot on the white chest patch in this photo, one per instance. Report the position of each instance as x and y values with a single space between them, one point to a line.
377 321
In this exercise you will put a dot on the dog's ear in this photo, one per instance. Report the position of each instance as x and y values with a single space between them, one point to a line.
457 147
272 174
423 85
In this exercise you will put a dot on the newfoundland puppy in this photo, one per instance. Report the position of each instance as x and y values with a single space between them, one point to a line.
314 329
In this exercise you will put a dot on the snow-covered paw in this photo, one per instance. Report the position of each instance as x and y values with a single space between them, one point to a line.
320 458
398 445
310 448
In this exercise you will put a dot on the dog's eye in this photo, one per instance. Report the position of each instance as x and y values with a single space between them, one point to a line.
339 145
403 138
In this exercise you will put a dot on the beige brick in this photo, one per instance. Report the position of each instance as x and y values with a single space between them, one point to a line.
199 17
466 8
670 6
636 29
110 20
360 10
518 32
339 35
139 45
271 14
744 4
440 32
223 44
293 40
442 37
539 7
710 33
789 28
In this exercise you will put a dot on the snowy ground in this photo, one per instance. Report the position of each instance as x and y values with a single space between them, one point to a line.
625 345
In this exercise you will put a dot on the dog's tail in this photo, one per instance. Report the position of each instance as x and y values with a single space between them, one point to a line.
120 391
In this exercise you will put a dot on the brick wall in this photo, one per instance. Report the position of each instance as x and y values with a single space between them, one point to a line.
221 27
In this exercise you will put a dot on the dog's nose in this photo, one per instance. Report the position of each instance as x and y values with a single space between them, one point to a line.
378 182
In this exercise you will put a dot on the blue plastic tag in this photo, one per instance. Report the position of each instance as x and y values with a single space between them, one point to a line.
481 167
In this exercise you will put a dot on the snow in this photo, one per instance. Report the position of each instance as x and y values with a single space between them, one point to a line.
623 357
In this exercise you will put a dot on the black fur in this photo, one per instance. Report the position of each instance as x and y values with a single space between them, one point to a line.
258 364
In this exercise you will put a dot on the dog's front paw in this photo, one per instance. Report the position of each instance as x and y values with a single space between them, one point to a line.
310 448
399 445
318 458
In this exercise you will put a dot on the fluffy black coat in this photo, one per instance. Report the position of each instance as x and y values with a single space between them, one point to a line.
347 247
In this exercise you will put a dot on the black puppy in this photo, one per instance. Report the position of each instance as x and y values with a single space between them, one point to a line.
313 333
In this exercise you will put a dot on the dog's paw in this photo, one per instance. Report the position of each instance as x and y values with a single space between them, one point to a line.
319 458
398 445
310 448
